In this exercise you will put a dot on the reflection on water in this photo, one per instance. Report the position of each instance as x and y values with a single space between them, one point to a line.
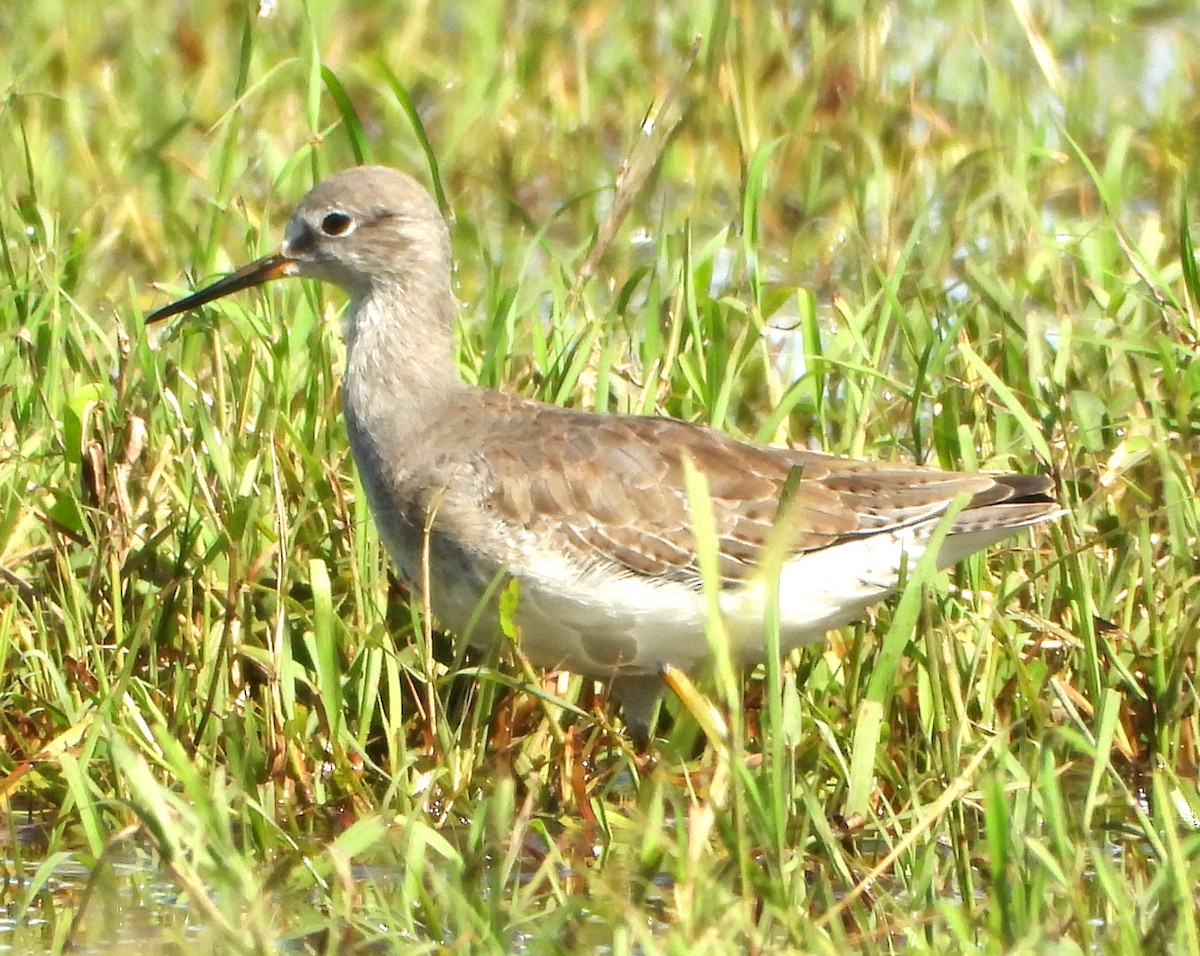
129 906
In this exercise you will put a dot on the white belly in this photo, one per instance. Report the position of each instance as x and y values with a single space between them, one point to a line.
600 623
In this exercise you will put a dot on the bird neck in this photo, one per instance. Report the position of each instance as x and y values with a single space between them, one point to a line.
399 355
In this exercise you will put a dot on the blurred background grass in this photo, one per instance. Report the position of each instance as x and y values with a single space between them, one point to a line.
956 233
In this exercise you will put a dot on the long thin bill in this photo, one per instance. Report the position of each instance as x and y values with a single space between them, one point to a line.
256 273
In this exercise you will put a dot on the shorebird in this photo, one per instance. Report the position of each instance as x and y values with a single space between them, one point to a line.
589 512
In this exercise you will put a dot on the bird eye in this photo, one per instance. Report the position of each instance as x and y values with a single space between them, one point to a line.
336 224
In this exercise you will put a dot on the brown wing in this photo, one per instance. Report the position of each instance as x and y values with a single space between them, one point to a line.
612 488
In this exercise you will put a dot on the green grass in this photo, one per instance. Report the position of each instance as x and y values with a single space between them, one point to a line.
943 233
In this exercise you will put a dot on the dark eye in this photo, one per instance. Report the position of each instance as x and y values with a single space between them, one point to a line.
336 224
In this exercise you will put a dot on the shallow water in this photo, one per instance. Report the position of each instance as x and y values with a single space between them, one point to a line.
131 906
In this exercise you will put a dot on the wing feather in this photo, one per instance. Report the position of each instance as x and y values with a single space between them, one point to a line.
612 490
